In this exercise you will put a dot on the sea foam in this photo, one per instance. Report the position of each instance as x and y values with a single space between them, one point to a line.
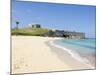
73 54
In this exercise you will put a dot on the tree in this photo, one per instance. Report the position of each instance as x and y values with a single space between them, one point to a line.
17 23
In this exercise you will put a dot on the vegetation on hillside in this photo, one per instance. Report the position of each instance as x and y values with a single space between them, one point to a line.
29 31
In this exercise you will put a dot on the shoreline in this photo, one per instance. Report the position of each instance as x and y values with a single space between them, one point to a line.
31 54
35 54
73 54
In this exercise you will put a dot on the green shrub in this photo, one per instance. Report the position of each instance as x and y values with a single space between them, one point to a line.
29 31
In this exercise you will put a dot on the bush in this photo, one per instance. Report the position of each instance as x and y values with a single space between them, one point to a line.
29 31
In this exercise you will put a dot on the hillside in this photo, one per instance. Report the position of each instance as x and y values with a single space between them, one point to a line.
29 31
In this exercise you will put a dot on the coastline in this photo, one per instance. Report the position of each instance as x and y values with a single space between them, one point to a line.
36 54
30 54
72 56
87 58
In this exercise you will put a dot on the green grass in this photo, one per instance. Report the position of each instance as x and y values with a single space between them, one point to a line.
29 31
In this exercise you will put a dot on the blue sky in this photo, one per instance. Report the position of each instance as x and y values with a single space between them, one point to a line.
77 18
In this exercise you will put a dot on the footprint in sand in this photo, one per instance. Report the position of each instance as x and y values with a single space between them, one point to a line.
20 64
16 66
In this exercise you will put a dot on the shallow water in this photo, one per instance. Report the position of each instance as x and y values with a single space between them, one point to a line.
84 47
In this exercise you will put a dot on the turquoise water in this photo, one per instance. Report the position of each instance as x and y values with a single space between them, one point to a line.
84 47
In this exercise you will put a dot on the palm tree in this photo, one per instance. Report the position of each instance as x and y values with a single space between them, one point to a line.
17 23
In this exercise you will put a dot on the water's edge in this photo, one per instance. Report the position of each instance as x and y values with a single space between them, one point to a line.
73 54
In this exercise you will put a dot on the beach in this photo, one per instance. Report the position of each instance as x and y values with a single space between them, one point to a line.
31 54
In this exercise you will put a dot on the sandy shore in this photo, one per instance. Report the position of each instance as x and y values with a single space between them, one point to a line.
34 54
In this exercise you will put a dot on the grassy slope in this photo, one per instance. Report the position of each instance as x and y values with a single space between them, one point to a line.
29 31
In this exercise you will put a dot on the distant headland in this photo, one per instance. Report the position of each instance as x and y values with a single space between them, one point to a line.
37 30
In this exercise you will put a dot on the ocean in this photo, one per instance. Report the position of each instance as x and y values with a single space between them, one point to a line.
85 48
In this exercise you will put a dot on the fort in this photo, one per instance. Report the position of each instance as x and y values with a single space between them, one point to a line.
62 33
38 30
66 34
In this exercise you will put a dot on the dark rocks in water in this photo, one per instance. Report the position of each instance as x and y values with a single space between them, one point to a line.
66 34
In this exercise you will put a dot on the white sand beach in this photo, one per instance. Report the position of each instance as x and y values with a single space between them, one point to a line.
32 54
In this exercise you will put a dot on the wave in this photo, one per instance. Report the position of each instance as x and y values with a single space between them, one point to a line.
83 43
73 54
